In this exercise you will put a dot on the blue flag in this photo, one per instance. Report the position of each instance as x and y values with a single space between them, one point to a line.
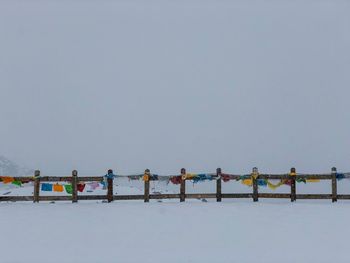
46 187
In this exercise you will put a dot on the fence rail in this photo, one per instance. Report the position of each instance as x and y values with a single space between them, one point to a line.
182 195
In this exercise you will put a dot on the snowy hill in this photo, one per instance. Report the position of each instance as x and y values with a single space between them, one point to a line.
10 168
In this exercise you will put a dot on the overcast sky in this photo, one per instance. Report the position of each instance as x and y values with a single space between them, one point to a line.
129 85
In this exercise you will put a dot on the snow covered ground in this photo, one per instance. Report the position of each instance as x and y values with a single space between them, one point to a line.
131 231
169 231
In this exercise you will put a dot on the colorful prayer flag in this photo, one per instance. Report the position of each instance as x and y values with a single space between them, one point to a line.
68 188
248 182
46 187
7 179
58 188
81 187
18 183
93 185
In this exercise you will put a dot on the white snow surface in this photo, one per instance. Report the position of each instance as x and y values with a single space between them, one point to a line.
132 231
169 231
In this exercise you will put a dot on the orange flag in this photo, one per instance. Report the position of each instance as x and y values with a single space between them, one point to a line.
58 188
7 179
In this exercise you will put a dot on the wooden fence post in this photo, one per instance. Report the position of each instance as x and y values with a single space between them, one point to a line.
146 178
183 185
218 185
110 187
255 175
292 176
74 186
36 186
334 185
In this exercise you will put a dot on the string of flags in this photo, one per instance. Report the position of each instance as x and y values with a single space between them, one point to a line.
248 181
49 187
176 180
244 179
10 180
53 187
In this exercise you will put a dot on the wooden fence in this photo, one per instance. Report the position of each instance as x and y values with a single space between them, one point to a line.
182 196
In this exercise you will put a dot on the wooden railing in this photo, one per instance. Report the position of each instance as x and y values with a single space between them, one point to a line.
182 196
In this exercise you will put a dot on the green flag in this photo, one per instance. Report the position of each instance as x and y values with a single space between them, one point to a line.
68 188
18 183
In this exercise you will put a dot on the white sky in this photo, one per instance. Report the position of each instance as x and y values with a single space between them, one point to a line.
129 85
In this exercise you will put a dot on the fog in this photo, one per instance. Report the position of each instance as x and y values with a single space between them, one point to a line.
130 85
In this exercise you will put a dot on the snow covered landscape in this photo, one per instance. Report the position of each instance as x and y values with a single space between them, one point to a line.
170 231
126 85
233 231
